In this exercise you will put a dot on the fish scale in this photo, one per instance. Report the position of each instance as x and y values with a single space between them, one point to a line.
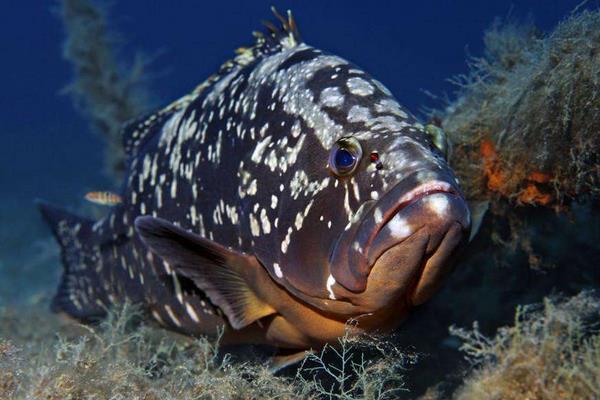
234 214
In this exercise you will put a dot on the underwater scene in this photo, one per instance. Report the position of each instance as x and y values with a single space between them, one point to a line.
320 200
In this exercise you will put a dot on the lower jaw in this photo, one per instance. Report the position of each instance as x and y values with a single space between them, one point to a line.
437 266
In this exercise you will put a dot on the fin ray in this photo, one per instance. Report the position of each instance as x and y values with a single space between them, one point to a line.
221 273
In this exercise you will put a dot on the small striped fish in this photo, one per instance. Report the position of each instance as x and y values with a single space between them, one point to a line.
103 198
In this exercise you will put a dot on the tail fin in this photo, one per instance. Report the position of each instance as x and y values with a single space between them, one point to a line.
80 291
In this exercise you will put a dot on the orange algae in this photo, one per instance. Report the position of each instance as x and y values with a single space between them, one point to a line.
502 181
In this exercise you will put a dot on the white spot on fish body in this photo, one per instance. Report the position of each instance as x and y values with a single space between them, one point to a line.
271 160
252 188
438 203
286 241
191 312
358 114
254 227
399 227
359 87
378 215
374 195
273 201
264 219
172 315
331 97
299 220
259 149
157 317
277 270
330 283
296 129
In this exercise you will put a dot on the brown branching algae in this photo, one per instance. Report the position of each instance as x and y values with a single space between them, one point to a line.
552 353
121 359
108 94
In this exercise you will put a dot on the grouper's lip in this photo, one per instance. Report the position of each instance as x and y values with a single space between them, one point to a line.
350 264
413 196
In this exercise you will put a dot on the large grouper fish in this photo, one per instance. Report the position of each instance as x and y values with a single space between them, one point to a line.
283 197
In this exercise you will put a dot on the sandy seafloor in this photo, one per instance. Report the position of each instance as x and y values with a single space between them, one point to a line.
48 151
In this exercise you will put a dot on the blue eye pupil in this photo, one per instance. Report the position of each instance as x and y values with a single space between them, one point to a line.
343 158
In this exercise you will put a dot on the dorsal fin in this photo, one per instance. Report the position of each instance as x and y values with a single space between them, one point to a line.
278 36
135 132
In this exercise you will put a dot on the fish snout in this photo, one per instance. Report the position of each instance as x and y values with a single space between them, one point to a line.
406 246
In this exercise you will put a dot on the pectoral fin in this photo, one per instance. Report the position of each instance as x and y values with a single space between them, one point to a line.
223 274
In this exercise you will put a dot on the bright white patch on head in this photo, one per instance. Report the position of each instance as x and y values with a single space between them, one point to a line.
374 195
399 227
330 283
359 87
390 106
358 114
438 203
277 269
273 201
331 97
378 216
296 99
191 312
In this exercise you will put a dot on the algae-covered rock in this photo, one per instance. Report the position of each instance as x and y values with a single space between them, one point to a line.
526 124
549 353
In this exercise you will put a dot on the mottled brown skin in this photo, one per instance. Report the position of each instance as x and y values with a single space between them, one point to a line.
398 280
405 274
283 197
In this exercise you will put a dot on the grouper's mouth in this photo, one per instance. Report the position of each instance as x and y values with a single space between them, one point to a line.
397 252
395 217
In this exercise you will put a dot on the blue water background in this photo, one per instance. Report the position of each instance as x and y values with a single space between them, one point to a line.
48 151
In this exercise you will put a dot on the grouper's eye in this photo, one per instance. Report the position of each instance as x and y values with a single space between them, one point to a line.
345 156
